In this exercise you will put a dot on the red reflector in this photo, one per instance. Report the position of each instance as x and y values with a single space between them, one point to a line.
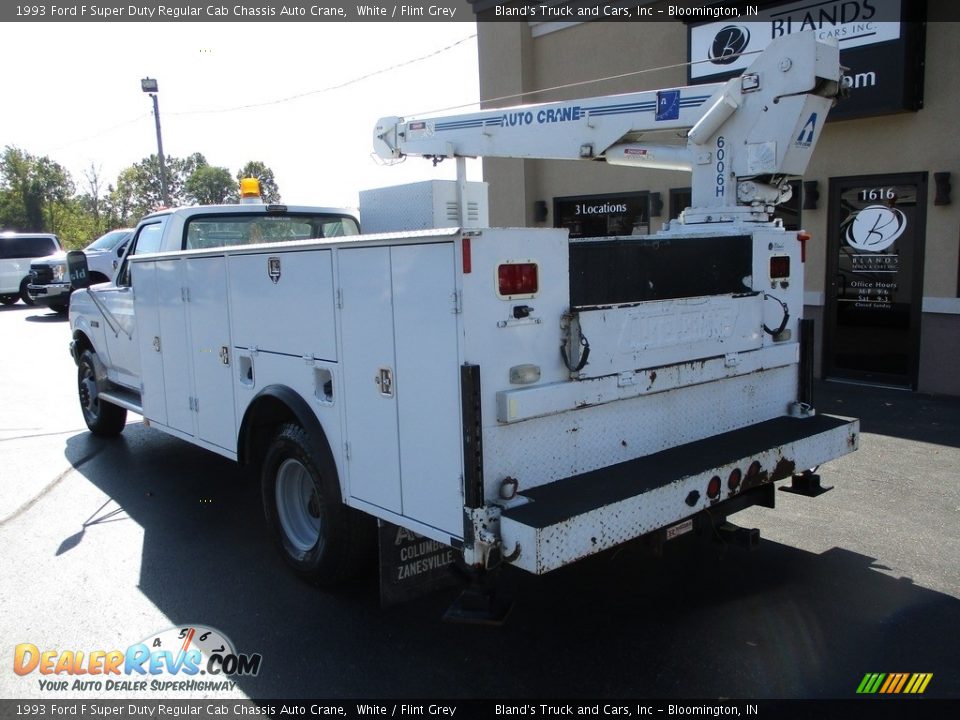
779 267
803 236
713 488
733 482
517 279
467 257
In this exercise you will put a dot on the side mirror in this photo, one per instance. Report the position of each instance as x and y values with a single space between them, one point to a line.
122 249
78 270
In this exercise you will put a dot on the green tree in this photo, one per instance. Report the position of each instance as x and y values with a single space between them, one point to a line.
33 191
77 224
38 194
268 184
138 192
126 202
209 185
93 201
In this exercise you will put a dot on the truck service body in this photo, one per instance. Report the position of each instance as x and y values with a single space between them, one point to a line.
521 397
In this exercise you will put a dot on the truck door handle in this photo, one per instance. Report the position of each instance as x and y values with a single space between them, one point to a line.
384 380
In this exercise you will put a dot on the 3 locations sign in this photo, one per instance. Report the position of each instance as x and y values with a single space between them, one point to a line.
882 53
603 215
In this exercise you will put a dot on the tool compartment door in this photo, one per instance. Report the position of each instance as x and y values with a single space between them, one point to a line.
212 353
401 371
428 385
294 286
153 397
373 456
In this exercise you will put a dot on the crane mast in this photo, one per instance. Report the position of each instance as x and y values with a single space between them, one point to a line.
739 139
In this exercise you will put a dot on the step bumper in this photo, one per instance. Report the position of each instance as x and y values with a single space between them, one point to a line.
581 515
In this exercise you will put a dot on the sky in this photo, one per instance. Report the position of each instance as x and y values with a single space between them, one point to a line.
236 92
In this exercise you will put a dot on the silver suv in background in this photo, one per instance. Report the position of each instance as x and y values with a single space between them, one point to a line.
17 252
50 282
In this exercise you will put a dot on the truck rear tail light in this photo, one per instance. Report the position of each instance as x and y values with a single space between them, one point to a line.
467 257
733 482
713 487
779 267
516 280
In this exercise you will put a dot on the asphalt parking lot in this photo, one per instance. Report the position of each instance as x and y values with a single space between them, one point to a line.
105 543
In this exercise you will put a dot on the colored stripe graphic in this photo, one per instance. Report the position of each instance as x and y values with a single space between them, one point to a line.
899 685
872 681
894 683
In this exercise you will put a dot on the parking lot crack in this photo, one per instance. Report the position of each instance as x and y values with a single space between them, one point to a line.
50 486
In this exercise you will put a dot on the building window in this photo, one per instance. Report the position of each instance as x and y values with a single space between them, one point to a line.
603 215
680 199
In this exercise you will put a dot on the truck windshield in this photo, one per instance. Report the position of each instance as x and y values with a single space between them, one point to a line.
109 241
210 231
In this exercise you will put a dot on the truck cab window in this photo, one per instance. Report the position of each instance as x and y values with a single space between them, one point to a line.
213 231
147 241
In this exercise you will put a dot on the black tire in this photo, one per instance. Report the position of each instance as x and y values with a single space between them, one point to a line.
60 309
323 540
103 418
24 295
8 299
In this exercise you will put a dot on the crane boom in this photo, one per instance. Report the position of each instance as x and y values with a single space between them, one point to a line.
739 139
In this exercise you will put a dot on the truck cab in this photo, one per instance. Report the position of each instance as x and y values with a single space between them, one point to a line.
104 318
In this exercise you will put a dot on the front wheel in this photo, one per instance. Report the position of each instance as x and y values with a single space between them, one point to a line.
326 542
25 295
103 418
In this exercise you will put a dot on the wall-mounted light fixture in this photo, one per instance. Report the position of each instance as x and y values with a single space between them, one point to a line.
942 182
656 205
540 211
811 195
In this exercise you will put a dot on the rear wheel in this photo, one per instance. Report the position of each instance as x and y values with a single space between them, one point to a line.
103 418
326 542
24 295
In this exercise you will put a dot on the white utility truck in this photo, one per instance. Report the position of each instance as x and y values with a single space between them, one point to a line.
511 394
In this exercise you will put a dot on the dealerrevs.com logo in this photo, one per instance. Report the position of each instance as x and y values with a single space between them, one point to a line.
190 658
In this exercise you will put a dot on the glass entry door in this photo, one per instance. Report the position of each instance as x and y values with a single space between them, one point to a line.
876 230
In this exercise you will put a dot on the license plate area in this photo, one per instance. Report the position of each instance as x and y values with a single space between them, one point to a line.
679 529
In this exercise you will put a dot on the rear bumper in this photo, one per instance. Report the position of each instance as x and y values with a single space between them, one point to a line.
585 514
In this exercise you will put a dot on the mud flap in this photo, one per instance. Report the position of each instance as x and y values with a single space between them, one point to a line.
411 565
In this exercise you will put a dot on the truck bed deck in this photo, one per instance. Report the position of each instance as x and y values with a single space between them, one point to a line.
589 512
